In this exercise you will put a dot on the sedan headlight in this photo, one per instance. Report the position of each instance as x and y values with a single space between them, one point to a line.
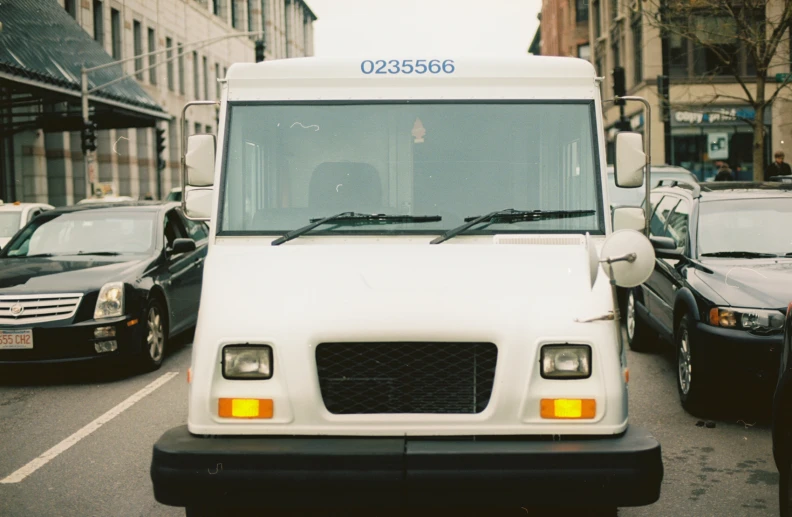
247 362
747 319
111 301
566 361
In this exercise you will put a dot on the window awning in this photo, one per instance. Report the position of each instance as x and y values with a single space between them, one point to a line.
42 49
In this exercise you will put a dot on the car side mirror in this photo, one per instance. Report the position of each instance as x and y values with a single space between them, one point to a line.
200 160
198 203
665 247
630 160
182 246
629 218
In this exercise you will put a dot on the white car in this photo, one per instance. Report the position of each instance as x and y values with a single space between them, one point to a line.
14 216
105 199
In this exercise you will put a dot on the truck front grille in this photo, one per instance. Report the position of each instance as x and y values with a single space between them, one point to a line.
368 378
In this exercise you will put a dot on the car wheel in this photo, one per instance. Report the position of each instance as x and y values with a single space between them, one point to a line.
155 335
639 336
690 382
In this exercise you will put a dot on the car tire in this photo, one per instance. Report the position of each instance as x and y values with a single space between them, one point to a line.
692 383
155 335
640 337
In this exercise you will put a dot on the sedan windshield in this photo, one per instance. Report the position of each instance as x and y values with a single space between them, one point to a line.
9 223
760 227
86 233
286 165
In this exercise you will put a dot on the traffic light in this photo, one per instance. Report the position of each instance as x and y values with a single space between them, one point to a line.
160 148
663 92
89 136
259 50
619 86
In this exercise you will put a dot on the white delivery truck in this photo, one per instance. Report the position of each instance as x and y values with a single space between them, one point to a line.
408 298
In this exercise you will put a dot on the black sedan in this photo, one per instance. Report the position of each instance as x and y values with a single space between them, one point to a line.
782 420
98 282
721 284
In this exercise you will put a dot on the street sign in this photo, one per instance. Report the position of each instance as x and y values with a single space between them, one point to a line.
718 144
783 78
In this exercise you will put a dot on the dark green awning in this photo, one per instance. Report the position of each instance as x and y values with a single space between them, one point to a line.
42 49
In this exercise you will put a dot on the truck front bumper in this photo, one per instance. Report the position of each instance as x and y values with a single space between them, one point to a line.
301 472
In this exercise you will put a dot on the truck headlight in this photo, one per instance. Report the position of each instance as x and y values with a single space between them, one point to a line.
566 361
747 319
247 362
111 301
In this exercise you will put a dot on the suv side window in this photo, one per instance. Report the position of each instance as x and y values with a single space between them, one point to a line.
678 224
660 214
197 230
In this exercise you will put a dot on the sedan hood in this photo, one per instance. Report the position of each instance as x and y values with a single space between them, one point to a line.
54 274
757 283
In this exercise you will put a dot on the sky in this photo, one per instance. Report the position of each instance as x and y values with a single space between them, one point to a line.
423 27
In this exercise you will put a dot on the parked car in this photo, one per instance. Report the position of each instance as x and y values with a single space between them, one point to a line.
635 196
781 179
721 284
14 216
100 281
174 195
782 420
105 200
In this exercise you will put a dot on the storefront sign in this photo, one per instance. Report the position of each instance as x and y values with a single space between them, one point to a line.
714 116
718 146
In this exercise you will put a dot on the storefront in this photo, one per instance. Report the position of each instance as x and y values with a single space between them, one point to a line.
702 138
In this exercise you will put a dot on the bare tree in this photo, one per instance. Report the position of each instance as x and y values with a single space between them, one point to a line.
742 39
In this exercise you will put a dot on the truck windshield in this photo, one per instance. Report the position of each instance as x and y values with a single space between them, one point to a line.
287 164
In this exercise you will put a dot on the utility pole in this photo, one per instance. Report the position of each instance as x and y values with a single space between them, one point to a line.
85 92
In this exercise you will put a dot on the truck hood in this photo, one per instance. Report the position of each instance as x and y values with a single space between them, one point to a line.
383 287
757 283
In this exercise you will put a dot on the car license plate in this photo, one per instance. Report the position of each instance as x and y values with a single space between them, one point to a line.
16 339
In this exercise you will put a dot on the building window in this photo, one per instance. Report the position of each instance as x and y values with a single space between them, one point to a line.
614 6
152 46
169 58
71 8
616 50
180 57
137 34
217 78
286 28
115 33
595 8
208 130
584 51
598 66
637 30
250 15
581 11
234 21
196 76
197 128
216 7
98 21
206 76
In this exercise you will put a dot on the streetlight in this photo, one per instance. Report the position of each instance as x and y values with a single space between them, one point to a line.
85 91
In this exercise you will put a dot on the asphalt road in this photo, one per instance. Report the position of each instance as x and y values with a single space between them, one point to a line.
722 471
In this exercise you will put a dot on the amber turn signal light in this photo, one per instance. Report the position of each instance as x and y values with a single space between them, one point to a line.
568 408
245 408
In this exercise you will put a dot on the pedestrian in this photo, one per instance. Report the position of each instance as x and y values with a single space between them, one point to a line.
778 167
724 173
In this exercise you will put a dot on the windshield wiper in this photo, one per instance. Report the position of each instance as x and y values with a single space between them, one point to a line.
739 254
510 215
35 255
352 218
103 253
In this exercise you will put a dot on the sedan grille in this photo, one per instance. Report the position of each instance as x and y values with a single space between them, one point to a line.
27 309
368 378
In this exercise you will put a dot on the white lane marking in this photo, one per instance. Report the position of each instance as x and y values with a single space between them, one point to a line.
51 454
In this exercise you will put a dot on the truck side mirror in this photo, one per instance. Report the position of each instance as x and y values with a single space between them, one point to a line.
198 203
629 218
200 160
630 160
